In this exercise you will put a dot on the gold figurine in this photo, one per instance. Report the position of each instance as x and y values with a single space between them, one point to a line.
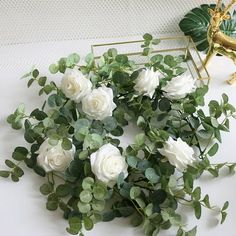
218 41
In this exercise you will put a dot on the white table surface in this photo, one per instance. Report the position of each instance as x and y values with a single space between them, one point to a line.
22 207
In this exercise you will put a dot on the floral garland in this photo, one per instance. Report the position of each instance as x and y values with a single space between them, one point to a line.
88 175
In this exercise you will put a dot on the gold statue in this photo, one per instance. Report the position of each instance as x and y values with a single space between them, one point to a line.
218 41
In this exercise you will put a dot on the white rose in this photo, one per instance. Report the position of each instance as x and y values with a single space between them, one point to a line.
179 87
178 153
147 82
99 103
54 158
75 85
107 163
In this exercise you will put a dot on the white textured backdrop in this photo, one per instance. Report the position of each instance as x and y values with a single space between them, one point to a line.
27 21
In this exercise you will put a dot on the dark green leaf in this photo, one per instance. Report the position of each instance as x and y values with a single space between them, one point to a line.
46 189
4 173
30 82
63 190
20 153
197 209
147 37
213 150
42 81
88 223
225 207
66 144
108 216
110 123
52 205
164 104
40 171
151 175
14 177
223 217
35 73
10 164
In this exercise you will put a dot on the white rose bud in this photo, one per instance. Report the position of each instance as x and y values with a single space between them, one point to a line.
179 87
54 158
75 85
147 82
107 163
99 103
178 153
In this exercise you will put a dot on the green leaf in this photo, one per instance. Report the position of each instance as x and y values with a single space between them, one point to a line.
225 207
206 201
196 22
125 211
72 59
89 59
140 139
75 225
213 150
147 37
88 223
223 217
20 153
35 73
112 52
42 81
132 161
87 183
93 141
10 164
122 59
192 232
197 193
135 192
99 192
136 220
39 115
164 105
118 131
189 108
63 190
108 216
225 98
40 171
84 207
197 209
170 61
156 41
81 123
140 202
188 181
30 82
18 171
46 189
14 177
4 173
47 88
66 144
109 123
53 68
98 205
149 209
86 196
151 175
120 180
52 205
